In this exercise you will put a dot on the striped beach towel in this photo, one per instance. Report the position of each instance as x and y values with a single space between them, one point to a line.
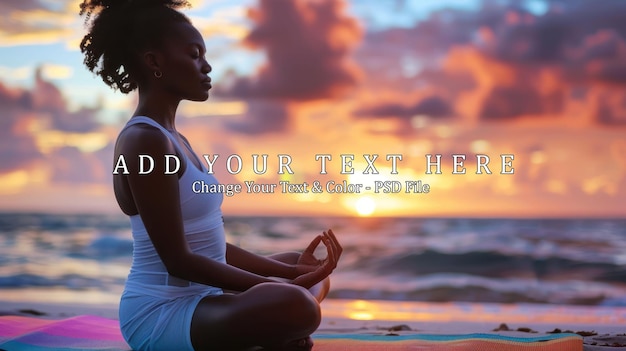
441 342
86 332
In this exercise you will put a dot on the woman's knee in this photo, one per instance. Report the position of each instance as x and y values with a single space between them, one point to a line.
269 313
294 302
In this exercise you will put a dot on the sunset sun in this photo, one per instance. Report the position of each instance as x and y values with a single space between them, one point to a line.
365 206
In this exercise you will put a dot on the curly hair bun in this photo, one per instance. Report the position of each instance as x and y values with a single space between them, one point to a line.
118 29
95 6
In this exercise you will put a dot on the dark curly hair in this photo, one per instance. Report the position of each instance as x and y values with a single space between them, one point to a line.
119 30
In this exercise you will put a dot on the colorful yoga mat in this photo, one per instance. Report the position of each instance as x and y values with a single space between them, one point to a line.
77 333
441 342
86 332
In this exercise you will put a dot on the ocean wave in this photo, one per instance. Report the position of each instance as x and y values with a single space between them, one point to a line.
69 281
105 247
495 264
471 293
573 261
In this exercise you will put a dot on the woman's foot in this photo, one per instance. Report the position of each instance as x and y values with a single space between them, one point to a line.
304 344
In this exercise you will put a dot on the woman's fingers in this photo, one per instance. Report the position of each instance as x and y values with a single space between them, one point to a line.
330 249
327 265
334 239
331 241
336 246
314 244
310 279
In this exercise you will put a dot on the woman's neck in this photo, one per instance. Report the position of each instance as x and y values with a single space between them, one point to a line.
158 107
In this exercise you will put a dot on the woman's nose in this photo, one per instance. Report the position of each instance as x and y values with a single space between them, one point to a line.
206 67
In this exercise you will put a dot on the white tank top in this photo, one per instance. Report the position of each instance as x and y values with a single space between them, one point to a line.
204 231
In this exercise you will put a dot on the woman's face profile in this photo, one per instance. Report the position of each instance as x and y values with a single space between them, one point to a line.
183 63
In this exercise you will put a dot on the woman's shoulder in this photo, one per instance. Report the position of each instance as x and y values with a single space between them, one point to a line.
142 137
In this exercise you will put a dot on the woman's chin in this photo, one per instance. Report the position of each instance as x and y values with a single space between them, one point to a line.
200 97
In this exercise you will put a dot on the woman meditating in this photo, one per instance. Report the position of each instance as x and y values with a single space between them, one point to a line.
175 298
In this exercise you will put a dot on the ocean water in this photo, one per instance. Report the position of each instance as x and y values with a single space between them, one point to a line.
45 257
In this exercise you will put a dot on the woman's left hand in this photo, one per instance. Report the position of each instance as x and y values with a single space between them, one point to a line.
324 267
308 262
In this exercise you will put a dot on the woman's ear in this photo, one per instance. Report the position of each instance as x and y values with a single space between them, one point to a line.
151 61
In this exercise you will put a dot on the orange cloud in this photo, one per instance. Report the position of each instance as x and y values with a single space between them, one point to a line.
308 44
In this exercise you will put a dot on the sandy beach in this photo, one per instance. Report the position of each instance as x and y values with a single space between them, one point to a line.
349 316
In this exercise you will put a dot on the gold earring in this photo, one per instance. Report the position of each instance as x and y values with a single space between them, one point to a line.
158 74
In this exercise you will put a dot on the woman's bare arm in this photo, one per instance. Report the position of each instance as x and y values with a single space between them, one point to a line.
258 264
156 196
272 268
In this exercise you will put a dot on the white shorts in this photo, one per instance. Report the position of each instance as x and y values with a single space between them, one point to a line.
150 323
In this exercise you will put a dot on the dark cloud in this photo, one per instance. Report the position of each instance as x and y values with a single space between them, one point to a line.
14 98
515 101
573 35
7 6
584 39
579 44
16 151
70 165
582 42
24 112
517 34
103 161
435 36
611 110
12 24
432 106
604 57
17 145
263 117
47 98
308 44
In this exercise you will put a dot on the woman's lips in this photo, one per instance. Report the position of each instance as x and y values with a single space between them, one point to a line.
207 83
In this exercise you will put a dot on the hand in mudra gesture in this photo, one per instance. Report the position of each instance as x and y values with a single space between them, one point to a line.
312 270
